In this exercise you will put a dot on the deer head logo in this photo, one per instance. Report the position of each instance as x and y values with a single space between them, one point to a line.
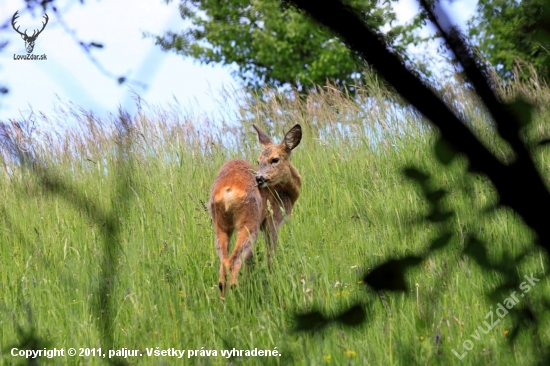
29 40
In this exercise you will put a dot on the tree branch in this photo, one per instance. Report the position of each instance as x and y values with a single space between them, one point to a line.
523 194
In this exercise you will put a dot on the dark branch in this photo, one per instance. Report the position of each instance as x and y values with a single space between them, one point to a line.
522 195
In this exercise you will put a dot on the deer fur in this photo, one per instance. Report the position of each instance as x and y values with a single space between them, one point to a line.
246 202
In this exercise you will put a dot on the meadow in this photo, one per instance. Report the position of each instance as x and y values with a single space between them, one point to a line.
107 243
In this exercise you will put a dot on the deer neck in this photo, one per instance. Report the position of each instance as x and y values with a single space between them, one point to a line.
292 186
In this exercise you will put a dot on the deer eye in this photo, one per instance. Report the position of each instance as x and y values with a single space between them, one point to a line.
274 160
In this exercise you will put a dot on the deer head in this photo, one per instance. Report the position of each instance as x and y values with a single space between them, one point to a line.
29 40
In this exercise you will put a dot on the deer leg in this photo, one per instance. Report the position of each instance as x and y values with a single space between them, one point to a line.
242 252
222 243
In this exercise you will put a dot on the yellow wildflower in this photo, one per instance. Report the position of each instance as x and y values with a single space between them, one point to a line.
350 353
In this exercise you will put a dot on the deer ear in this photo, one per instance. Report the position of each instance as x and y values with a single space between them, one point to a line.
293 137
262 137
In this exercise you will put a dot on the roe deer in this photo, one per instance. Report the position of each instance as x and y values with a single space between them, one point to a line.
247 203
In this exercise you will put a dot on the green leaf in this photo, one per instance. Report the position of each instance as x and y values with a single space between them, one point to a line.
523 110
436 196
441 241
312 321
444 152
391 275
416 175
439 216
352 317
476 250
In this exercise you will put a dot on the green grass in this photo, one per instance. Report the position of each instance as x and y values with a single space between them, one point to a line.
159 266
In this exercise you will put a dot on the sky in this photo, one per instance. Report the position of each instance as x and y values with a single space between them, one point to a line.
68 75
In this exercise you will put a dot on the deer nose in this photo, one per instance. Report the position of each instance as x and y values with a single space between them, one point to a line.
260 180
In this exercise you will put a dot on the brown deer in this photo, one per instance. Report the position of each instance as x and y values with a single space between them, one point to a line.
245 202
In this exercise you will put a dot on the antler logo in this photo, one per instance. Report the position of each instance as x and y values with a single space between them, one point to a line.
29 40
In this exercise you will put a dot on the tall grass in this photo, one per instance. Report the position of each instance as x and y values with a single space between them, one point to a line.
356 210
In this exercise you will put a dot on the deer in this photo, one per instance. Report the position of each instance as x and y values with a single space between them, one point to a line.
29 40
246 203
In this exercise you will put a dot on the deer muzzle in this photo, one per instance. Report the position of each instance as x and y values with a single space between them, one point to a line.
261 181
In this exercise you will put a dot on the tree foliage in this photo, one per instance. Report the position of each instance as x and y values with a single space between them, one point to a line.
512 32
271 42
